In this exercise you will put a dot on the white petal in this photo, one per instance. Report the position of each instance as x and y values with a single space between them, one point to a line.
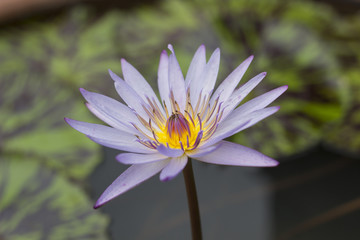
196 67
163 79
110 111
255 104
132 177
227 87
175 166
109 137
137 82
210 73
243 122
237 155
133 158
170 152
128 94
201 151
176 80
238 95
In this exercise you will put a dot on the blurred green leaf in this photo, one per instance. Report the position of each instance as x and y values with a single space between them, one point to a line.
37 203
40 77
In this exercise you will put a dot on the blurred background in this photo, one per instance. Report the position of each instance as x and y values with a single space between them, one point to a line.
51 175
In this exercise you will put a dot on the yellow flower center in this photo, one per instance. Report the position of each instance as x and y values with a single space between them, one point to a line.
179 132
182 129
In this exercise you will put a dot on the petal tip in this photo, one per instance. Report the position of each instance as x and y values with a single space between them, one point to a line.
111 73
68 120
98 204
123 61
171 48
165 179
272 163
276 108
216 53
71 122
120 159
114 77
250 58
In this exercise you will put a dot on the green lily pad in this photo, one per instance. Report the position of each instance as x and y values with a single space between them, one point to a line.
37 203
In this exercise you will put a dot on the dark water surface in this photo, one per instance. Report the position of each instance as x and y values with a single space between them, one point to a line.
315 196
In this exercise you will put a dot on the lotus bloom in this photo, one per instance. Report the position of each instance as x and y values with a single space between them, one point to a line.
190 120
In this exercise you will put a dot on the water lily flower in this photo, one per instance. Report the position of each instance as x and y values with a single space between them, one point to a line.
188 121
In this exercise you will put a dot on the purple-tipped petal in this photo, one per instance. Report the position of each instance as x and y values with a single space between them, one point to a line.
196 67
255 104
133 158
109 137
239 94
128 94
110 111
176 80
227 87
237 155
132 177
170 152
198 152
138 82
175 166
239 124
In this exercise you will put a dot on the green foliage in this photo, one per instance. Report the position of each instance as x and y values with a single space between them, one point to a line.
37 203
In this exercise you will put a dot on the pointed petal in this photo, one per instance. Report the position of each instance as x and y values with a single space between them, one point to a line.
133 158
227 87
255 104
198 152
210 72
132 177
238 95
109 137
175 166
128 94
110 111
196 67
163 78
137 82
237 155
176 80
227 129
170 152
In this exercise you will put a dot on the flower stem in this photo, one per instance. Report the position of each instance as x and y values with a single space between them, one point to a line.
192 201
